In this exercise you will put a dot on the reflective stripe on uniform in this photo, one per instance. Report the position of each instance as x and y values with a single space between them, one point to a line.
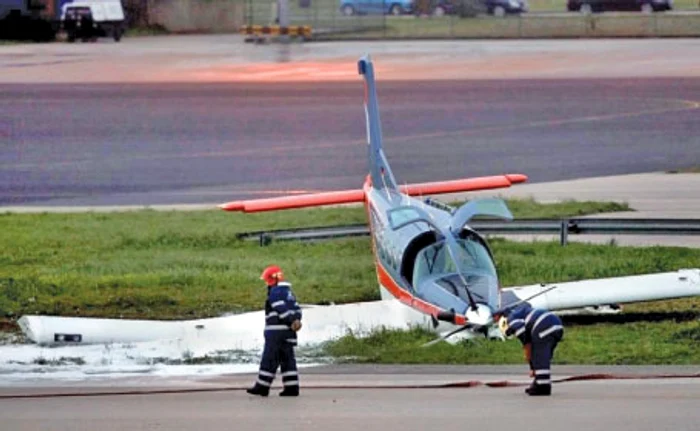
287 313
290 373
540 319
541 372
266 373
529 316
543 382
291 383
271 314
550 330
516 321
519 331
276 327
263 383
277 303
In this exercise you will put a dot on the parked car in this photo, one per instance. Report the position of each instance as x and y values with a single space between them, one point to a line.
590 6
90 19
376 7
476 7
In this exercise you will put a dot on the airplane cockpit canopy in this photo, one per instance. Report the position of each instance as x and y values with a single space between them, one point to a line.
435 269
435 259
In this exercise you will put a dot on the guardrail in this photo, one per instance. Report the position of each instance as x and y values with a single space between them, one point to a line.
562 227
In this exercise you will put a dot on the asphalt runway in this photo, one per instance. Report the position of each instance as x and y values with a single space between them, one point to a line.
151 144
205 120
373 398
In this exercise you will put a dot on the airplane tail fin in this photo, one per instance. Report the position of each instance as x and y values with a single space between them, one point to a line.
379 170
380 173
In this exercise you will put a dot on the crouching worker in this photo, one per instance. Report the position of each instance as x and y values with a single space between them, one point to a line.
539 331
282 321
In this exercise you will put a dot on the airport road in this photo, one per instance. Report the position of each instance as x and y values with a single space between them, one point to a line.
151 144
350 398
198 120
555 110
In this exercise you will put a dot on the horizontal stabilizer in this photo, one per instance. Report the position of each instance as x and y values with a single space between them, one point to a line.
358 196
464 185
297 201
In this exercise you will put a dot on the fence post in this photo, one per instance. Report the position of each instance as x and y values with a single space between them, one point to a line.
564 232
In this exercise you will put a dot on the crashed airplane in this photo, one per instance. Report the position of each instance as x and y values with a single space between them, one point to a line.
433 270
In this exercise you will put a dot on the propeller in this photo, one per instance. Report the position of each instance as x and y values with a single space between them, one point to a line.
448 335
449 317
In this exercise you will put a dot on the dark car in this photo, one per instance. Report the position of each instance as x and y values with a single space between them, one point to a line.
476 7
590 6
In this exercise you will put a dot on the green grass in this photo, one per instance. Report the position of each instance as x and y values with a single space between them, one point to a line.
527 26
167 265
690 170
154 30
635 343
170 265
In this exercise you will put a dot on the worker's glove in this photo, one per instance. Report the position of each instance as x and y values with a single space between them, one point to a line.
296 325
532 373
503 325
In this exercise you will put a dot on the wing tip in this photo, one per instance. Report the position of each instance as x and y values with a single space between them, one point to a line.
516 178
233 206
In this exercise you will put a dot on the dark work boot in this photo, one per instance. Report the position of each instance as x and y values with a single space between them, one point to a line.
539 390
290 391
259 390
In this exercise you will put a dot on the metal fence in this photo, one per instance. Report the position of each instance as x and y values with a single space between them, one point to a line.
324 16
348 19
386 19
561 227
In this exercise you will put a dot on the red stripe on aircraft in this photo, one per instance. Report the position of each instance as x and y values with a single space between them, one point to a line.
464 185
298 201
389 283
407 298
357 196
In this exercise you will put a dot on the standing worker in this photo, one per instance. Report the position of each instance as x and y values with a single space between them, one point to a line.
539 331
282 321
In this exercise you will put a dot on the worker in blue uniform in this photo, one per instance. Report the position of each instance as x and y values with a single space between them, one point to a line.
539 331
282 322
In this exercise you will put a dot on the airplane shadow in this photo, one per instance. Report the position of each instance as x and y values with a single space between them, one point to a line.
677 316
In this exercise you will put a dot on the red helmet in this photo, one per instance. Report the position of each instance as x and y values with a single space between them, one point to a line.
272 274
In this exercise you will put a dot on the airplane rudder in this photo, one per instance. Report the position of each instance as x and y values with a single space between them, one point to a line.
364 66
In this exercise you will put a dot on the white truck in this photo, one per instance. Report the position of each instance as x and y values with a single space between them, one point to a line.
89 19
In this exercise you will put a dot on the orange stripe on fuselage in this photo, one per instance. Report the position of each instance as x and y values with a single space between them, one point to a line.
385 279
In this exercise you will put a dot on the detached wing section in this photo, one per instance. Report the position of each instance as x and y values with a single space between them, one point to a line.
358 196
605 291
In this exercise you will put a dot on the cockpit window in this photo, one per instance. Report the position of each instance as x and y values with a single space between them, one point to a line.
436 260
402 215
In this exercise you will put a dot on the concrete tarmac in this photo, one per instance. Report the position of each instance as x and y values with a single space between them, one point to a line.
370 398
225 58
348 398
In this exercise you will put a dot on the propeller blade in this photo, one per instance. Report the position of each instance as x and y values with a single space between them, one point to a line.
446 336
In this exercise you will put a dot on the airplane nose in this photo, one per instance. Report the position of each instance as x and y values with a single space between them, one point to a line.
482 316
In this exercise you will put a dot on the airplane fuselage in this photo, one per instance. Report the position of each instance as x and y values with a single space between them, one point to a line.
408 261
